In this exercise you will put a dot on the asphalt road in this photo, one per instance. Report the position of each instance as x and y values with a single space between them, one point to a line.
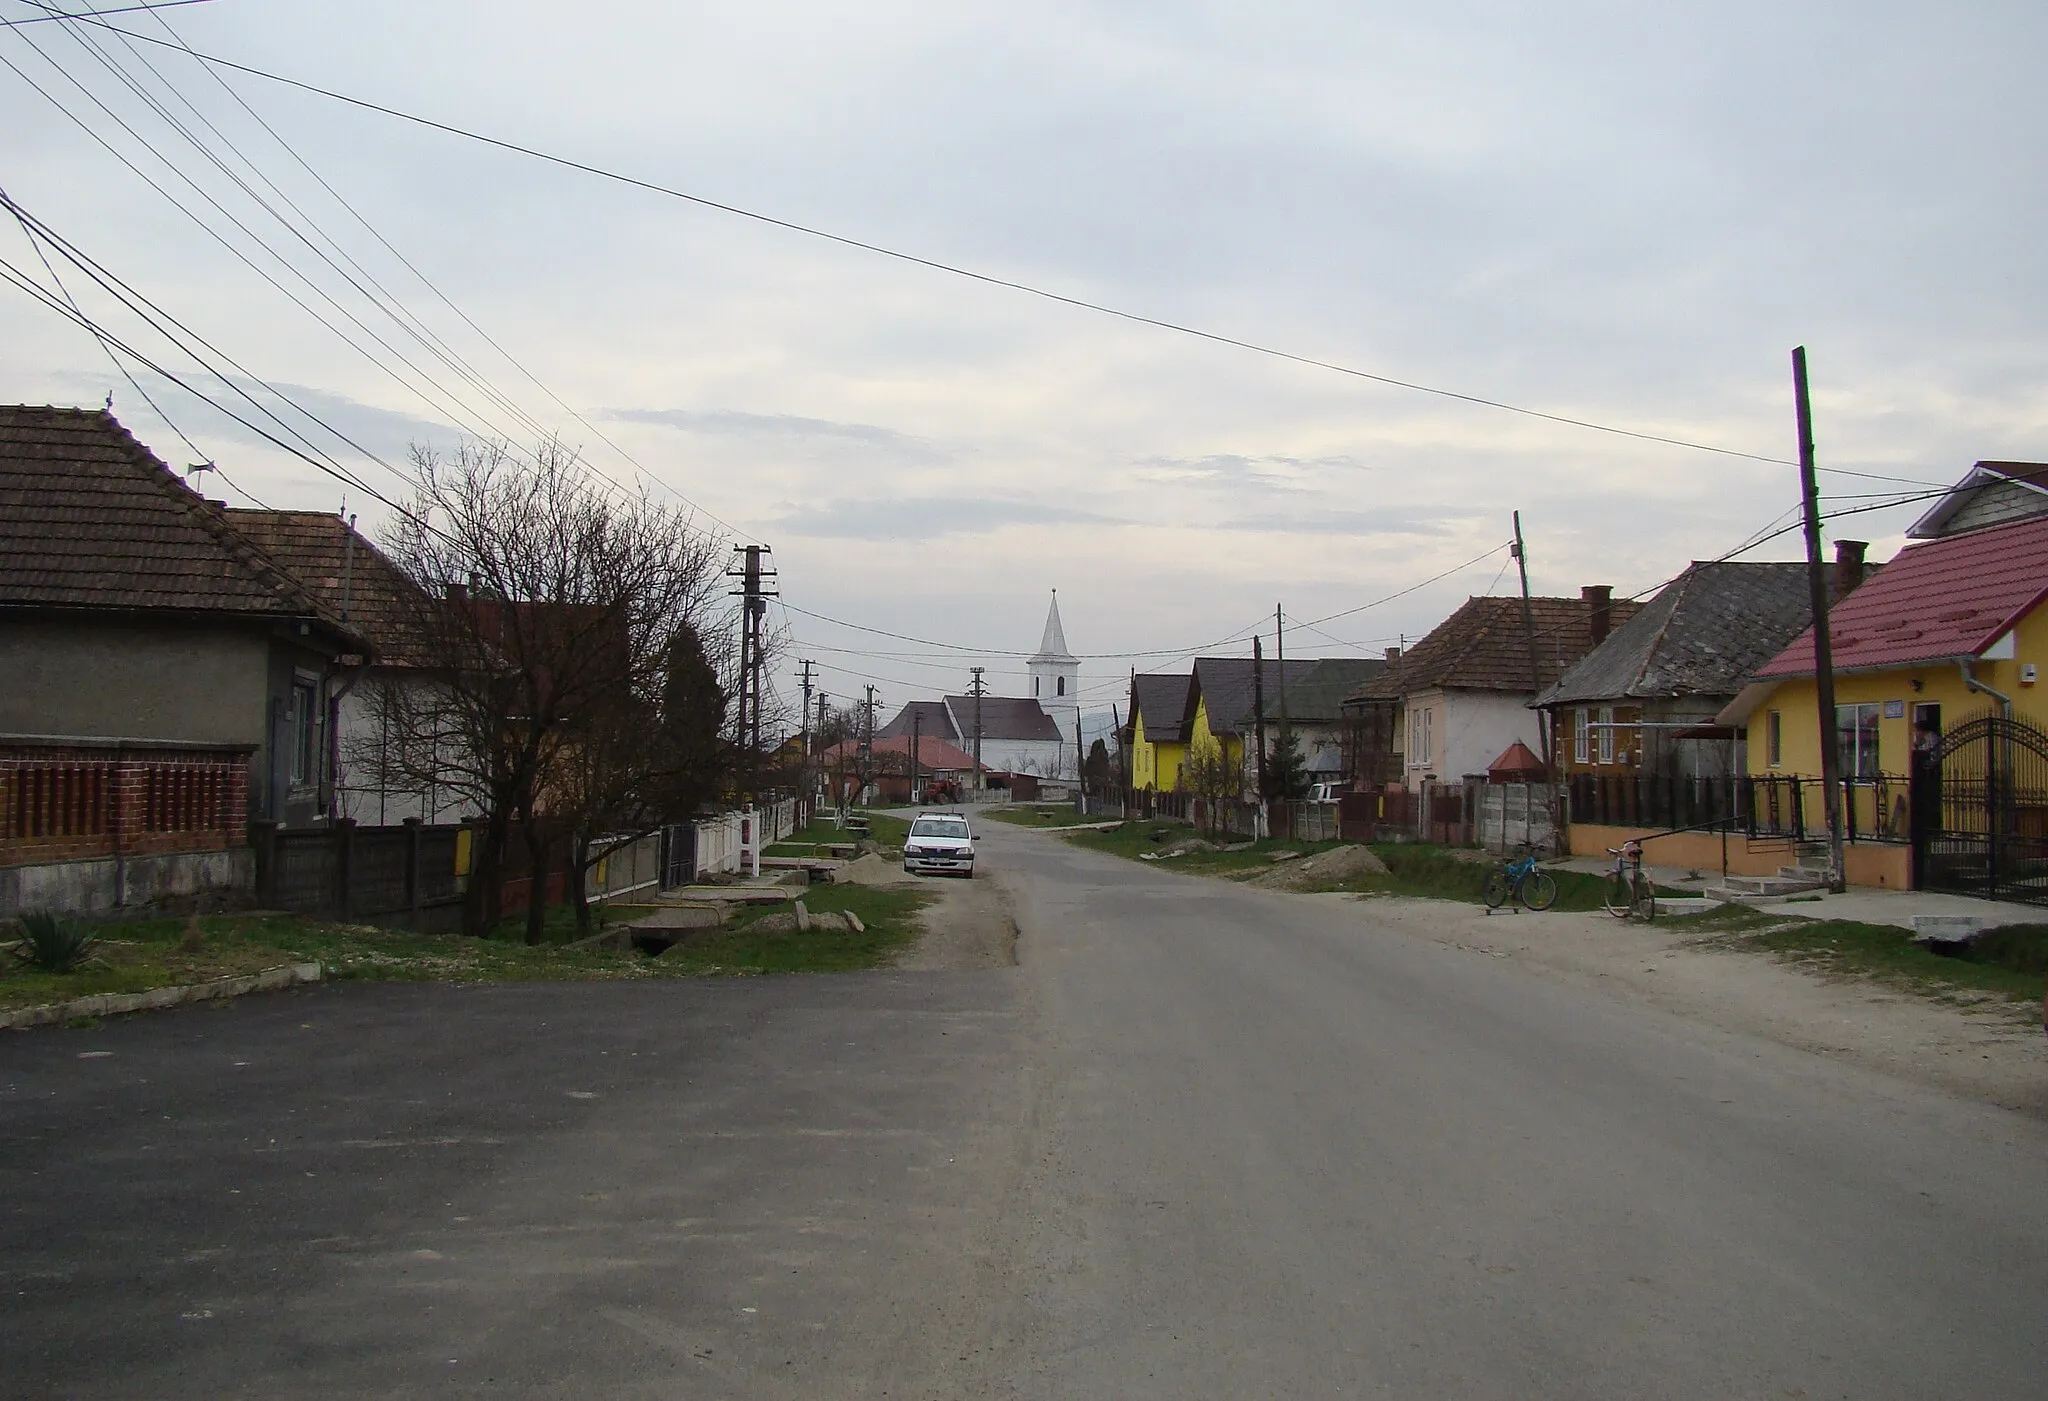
1203 1142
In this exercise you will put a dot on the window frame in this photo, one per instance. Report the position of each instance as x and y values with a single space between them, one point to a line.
1605 743
1774 740
1582 736
1858 760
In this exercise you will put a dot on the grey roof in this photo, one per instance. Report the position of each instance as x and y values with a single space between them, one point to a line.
934 722
1704 634
1052 647
1003 717
1224 686
1318 697
1163 702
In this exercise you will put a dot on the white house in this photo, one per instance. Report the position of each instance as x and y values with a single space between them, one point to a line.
1035 734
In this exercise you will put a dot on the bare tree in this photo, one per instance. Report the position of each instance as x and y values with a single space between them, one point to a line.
1210 775
552 606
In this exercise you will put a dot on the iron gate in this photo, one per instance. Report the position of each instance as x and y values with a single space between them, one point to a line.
1980 811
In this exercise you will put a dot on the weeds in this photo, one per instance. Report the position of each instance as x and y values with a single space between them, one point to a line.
54 944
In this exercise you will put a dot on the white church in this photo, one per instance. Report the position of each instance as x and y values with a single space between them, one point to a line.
1034 734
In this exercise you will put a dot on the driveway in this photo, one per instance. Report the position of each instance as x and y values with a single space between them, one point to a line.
1201 1142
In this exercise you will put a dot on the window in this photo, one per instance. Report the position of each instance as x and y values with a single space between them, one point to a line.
1060 686
1582 737
1856 740
305 736
1034 685
1774 739
1421 734
1606 734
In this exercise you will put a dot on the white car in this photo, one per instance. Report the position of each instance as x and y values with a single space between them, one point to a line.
939 844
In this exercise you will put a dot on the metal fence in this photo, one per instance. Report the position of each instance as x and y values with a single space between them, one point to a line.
353 872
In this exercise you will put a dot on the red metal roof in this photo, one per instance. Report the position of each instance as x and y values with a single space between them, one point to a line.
1937 601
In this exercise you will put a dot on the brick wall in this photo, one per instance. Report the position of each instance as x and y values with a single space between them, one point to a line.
74 802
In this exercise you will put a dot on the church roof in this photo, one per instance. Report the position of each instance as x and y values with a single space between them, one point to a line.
1003 717
1053 646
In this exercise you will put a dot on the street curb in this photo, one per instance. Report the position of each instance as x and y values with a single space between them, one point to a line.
113 1004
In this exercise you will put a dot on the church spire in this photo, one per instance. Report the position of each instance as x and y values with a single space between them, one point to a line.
1053 646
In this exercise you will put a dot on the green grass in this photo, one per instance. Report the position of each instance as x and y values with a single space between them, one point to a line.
890 916
2007 963
1044 815
139 955
1414 869
883 830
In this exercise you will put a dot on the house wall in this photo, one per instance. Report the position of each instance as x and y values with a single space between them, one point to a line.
361 794
1939 684
1154 764
1468 731
1886 866
1043 757
1646 751
101 677
1201 737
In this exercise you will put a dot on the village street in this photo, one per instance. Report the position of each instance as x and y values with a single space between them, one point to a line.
1202 1141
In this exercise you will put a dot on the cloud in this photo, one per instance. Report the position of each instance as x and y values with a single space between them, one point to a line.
1434 521
925 518
735 424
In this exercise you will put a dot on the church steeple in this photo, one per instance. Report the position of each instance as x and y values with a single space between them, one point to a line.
1056 674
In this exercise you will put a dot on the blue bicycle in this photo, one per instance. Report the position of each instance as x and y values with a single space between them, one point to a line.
1521 879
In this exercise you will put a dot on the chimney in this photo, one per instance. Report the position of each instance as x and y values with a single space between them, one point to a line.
1598 599
1393 655
458 593
1848 568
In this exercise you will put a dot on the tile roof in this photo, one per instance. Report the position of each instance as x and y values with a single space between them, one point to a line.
347 574
90 518
1163 702
1937 601
931 753
1484 647
1702 635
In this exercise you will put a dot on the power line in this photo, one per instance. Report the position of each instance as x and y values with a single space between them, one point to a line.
951 269
98 14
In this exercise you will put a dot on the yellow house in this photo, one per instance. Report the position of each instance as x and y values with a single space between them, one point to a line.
1158 731
1952 630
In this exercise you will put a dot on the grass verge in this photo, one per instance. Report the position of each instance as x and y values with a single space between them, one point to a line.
2007 964
139 955
1046 815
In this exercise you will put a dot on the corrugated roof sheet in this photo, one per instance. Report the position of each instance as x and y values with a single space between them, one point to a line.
1934 602
89 518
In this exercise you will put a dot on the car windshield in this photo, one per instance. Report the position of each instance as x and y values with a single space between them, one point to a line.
938 827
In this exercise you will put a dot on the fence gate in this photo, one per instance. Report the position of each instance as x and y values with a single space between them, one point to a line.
1980 812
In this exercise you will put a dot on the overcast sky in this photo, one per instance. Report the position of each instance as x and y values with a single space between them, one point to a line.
1619 212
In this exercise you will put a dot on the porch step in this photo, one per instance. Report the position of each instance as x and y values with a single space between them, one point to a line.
1804 872
1760 890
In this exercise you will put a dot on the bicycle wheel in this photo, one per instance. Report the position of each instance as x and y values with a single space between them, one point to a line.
1496 892
1617 895
1645 901
1539 891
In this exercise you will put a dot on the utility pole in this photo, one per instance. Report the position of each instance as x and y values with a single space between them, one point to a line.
1521 554
916 743
1280 657
1259 710
867 742
821 782
803 719
753 615
977 690
1823 640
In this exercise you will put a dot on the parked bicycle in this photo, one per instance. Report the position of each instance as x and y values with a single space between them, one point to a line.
1629 893
1521 879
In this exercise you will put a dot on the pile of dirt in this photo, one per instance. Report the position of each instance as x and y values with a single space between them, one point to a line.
1325 868
874 870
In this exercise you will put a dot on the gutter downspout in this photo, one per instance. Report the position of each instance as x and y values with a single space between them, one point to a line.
2004 700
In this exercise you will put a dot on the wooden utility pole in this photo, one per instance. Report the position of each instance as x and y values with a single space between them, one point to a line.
1823 642
916 738
1536 680
1259 710
1280 659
